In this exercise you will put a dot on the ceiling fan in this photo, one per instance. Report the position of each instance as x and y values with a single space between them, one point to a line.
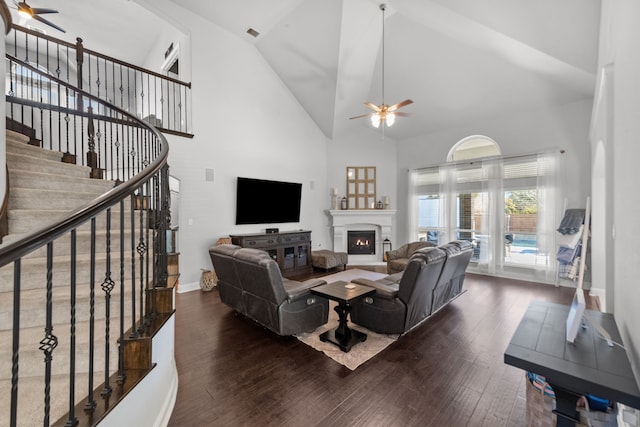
384 113
34 12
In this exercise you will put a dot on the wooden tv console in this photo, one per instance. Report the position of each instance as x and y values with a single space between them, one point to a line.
290 249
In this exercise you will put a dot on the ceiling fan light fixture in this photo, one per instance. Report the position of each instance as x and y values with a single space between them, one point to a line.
375 120
384 114
24 13
390 119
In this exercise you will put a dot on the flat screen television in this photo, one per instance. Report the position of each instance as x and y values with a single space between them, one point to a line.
260 201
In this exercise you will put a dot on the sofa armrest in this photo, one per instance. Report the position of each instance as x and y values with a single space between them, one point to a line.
294 289
389 290
392 278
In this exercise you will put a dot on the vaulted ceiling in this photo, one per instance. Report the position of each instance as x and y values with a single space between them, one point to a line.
458 60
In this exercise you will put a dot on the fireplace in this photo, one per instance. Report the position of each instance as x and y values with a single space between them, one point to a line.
361 242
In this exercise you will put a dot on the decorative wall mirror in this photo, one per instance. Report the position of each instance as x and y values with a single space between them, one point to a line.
361 187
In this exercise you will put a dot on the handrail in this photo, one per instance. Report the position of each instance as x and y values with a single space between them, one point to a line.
18 249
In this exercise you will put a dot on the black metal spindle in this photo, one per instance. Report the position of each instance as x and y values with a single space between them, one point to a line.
149 112
107 286
110 160
117 144
134 331
50 341
150 296
121 88
15 350
169 103
184 125
164 120
91 402
92 156
141 249
71 419
121 372
177 125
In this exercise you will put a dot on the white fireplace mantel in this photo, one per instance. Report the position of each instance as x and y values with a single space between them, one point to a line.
342 221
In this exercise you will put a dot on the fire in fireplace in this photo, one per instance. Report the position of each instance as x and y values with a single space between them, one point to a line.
361 242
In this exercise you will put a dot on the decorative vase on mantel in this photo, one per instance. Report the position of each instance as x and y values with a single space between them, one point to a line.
343 203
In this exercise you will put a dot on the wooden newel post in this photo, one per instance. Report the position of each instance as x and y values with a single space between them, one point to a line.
92 156
79 61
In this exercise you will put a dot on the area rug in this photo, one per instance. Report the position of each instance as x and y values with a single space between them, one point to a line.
361 352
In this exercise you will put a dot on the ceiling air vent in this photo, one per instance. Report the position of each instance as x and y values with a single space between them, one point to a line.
252 32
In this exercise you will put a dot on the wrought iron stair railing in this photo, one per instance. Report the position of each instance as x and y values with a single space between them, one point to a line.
122 292
159 100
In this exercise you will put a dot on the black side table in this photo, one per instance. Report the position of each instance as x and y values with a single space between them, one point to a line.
344 293
588 365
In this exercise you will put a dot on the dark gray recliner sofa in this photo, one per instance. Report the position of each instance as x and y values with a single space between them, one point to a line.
402 300
250 282
433 277
452 276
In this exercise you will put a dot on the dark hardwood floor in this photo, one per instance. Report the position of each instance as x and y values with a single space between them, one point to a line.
447 372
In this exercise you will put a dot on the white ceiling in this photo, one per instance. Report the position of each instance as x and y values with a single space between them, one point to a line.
458 60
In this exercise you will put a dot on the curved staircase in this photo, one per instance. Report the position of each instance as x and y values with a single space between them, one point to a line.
86 281
43 190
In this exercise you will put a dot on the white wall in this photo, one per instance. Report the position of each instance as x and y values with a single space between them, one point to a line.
246 123
618 50
364 147
565 127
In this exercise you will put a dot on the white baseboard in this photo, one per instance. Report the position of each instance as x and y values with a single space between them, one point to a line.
188 287
602 296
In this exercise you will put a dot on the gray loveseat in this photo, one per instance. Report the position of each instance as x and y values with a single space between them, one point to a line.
433 277
250 282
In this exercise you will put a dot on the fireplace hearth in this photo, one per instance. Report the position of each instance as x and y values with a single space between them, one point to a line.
361 242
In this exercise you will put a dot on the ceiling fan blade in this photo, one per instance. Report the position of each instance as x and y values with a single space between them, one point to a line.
360 116
372 106
400 105
39 11
49 23
401 114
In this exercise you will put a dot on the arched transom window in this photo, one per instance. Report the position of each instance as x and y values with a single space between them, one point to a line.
473 147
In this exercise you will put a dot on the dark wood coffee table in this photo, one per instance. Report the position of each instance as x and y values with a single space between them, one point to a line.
345 294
